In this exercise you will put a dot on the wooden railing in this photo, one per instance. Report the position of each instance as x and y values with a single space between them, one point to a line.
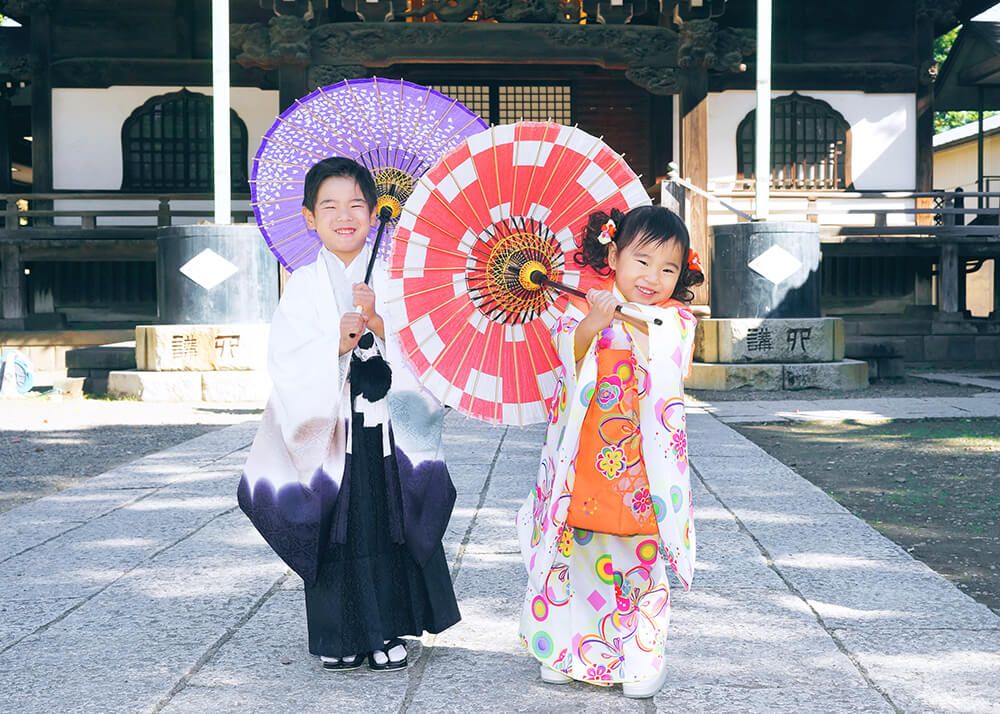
58 211
958 230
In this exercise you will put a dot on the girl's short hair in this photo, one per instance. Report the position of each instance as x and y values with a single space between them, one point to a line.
642 225
338 166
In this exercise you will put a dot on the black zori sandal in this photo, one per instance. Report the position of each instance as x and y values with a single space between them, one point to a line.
387 659
343 664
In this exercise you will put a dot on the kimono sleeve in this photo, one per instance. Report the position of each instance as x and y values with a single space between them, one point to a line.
564 339
687 325
306 370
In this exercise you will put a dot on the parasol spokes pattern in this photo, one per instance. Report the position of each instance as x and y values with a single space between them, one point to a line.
506 202
396 129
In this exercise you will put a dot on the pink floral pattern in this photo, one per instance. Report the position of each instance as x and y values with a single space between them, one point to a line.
642 502
609 393
678 441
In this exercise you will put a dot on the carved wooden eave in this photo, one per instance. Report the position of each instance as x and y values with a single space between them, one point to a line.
647 54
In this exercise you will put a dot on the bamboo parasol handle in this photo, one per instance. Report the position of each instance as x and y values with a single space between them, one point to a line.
384 216
628 314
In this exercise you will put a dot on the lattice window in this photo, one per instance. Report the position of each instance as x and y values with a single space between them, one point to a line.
810 145
506 103
475 96
539 102
167 145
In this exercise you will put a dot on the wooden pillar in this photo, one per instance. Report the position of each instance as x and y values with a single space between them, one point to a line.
948 275
292 84
661 120
694 166
11 287
980 161
925 116
41 104
6 184
995 315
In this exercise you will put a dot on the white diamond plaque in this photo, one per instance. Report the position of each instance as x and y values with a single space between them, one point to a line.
775 264
208 269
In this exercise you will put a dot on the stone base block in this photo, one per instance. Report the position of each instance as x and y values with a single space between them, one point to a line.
107 357
773 341
201 348
233 386
71 387
155 386
726 377
844 375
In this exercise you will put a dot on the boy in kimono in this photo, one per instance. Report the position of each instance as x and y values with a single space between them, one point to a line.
345 479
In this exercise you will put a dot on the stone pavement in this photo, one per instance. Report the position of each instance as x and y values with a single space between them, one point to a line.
986 404
146 590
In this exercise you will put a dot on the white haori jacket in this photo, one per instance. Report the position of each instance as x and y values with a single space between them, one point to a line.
542 517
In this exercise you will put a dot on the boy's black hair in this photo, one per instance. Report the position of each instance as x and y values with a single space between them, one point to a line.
645 224
338 166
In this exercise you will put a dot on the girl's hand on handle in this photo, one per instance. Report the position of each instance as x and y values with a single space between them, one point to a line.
602 307
352 326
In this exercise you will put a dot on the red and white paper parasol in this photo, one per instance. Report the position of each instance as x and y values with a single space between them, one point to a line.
504 204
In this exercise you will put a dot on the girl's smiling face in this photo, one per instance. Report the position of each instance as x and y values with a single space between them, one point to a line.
341 217
646 272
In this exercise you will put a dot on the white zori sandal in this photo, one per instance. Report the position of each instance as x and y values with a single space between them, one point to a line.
551 676
391 658
647 688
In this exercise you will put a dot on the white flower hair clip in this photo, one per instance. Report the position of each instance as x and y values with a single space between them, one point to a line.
607 233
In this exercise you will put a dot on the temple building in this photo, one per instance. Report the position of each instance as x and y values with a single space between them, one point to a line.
106 116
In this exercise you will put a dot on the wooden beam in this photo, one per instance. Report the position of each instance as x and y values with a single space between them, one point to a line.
985 72
870 77
694 167
142 71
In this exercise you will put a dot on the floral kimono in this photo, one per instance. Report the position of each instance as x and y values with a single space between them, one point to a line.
596 543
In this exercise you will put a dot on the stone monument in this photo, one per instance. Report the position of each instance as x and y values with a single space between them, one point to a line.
766 331
217 288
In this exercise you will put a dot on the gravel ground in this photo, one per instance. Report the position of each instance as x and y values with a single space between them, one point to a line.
51 444
933 486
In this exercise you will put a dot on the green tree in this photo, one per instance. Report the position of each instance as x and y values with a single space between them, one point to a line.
949 120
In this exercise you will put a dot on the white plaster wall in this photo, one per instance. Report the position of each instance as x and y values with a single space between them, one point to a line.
958 165
883 136
87 124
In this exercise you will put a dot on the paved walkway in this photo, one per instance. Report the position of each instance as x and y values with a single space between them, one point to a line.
877 409
146 590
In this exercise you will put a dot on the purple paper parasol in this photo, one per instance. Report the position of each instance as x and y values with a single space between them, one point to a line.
397 129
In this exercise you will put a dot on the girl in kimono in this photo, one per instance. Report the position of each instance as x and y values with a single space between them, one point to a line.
611 509
345 479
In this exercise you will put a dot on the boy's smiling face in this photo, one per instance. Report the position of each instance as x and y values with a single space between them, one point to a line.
341 217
